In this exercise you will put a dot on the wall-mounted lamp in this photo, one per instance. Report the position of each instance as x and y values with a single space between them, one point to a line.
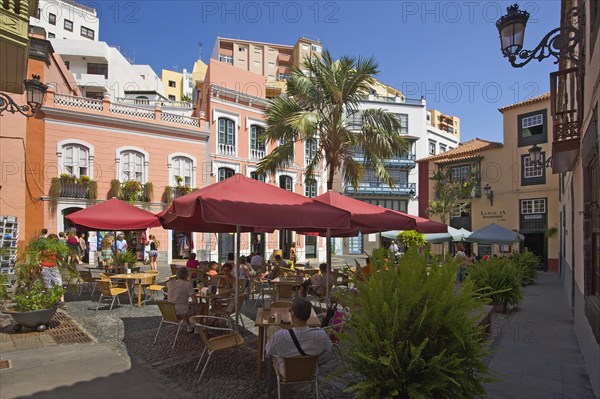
560 43
413 196
35 96
589 207
535 156
489 193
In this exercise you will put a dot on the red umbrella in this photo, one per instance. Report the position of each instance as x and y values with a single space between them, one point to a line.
113 214
367 218
251 205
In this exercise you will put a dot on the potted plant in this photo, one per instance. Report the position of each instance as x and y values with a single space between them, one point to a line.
131 190
498 281
126 258
29 303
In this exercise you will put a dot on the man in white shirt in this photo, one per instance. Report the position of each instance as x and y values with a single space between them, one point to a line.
312 341
258 260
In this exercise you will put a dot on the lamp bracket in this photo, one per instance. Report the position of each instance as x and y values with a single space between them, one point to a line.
559 43
7 104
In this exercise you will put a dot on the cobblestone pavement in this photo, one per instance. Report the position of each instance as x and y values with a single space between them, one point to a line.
130 331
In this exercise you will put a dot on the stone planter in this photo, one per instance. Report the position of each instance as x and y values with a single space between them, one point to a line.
499 307
35 319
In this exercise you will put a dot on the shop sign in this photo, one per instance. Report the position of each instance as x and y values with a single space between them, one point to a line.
499 215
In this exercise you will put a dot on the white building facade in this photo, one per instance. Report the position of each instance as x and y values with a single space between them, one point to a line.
419 135
65 19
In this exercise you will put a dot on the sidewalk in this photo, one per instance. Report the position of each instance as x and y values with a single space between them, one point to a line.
536 351
75 371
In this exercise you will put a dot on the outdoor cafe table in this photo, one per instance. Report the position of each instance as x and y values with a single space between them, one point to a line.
131 277
262 322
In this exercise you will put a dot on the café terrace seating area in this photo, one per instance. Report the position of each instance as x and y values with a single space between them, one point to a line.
225 345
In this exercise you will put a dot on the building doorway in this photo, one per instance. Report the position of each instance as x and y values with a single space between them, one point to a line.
310 246
355 245
182 245
67 225
285 242
536 243
257 241
226 245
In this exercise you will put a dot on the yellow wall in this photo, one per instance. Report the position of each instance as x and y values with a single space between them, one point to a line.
501 169
435 121
177 77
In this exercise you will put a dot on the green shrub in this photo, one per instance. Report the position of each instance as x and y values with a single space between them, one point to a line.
415 334
527 263
167 196
412 239
497 280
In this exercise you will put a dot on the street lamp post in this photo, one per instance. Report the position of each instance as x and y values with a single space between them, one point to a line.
489 193
35 96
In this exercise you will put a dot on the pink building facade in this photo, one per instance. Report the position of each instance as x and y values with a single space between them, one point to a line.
234 102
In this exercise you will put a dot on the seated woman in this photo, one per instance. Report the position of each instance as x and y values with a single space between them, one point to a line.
226 284
192 262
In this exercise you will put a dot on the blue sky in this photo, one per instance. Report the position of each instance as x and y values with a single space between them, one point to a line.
447 51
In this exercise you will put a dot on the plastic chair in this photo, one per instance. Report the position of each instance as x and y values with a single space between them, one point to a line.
229 340
107 290
284 292
87 279
169 316
261 289
297 370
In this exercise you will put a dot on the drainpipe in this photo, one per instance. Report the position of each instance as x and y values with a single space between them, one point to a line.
572 249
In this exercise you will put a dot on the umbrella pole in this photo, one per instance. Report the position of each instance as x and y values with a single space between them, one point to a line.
237 276
328 251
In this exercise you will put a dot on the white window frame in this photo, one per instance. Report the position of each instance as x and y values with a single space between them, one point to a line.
530 170
533 206
307 187
532 120
173 158
220 113
308 159
60 155
228 59
403 118
429 147
119 164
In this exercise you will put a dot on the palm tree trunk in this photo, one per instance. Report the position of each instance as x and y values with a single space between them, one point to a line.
331 174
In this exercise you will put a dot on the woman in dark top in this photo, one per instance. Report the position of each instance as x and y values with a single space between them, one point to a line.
153 254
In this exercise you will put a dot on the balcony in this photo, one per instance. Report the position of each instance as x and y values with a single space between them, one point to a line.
461 222
134 191
257 154
226 149
565 95
74 190
377 188
14 43
92 80
406 161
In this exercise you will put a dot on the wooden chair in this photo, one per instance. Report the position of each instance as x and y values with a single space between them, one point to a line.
107 290
228 340
297 370
169 316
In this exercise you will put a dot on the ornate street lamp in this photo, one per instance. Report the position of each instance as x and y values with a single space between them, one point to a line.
35 96
559 43
489 193
535 156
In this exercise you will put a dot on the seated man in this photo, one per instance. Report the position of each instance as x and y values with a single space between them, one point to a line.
258 261
311 340
318 283
277 262
179 292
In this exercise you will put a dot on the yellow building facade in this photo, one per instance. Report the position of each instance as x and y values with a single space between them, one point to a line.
511 191
173 84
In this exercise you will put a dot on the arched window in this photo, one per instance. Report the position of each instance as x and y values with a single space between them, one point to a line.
225 173
257 146
286 183
132 166
310 188
75 159
182 167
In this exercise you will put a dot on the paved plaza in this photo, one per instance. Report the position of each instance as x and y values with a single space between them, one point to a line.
536 355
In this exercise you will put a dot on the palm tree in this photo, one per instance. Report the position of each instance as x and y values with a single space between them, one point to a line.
321 94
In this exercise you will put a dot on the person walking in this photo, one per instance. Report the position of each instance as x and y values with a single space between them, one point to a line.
82 247
154 245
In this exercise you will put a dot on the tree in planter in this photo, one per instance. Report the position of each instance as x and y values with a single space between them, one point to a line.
449 194
28 293
414 334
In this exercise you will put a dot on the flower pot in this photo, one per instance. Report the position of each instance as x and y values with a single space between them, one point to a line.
34 319
499 307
